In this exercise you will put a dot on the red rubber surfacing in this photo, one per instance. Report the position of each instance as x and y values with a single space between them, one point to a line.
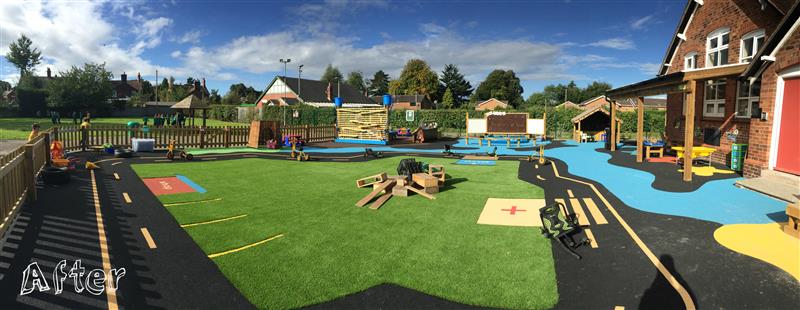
168 185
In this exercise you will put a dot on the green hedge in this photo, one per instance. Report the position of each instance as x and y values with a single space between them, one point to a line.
559 122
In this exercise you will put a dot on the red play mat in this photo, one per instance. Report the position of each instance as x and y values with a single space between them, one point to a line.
665 159
168 185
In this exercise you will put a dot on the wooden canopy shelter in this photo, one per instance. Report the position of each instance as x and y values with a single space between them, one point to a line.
192 103
685 82
593 122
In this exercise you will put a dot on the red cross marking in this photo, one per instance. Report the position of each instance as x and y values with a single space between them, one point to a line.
513 210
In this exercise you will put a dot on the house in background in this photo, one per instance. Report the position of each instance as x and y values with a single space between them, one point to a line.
568 104
287 91
124 88
732 76
491 105
407 102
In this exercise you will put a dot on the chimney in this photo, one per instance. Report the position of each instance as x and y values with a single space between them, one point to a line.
328 91
124 77
204 83
49 73
139 77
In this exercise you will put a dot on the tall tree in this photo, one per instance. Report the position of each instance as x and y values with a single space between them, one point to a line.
331 75
356 80
240 93
379 84
502 85
448 100
453 79
417 78
81 87
23 55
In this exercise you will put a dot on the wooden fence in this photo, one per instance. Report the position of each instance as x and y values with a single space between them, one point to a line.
311 134
18 172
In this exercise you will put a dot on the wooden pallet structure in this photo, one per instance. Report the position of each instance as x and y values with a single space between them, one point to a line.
385 186
362 123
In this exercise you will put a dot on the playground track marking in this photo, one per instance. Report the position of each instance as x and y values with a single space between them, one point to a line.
111 294
619 308
150 243
590 235
105 160
116 176
126 197
569 192
596 214
687 299
540 177
116 163
191 202
583 220
214 221
244 247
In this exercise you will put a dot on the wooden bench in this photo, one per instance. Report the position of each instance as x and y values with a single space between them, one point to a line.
793 226
654 150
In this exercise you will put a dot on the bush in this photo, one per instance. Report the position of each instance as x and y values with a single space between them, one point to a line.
31 100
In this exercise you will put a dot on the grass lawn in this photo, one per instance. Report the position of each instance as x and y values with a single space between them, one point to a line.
18 128
331 248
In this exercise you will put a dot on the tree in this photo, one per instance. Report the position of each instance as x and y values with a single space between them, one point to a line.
331 75
417 78
557 94
595 89
4 85
448 100
240 93
23 56
215 98
453 80
379 84
81 87
356 80
501 85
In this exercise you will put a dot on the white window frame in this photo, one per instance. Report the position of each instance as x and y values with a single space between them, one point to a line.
717 35
755 35
751 98
717 102
690 58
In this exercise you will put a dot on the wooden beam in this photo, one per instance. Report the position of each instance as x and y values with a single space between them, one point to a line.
718 72
688 134
613 137
639 128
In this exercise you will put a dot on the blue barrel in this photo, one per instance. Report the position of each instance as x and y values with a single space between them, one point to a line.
338 102
387 100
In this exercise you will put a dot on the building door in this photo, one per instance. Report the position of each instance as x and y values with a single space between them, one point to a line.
789 136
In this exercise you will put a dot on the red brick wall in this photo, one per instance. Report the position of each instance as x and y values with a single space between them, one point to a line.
741 16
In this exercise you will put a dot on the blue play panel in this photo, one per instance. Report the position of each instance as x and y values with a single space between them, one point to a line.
475 162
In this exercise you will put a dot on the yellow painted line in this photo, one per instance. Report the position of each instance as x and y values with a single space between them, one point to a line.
619 308
536 165
150 243
590 235
569 192
107 159
598 216
576 207
116 163
111 293
540 177
126 197
687 299
214 221
116 176
191 202
561 201
244 247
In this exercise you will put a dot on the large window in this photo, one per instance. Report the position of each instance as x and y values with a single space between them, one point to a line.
751 43
717 48
690 61
747 98
714 103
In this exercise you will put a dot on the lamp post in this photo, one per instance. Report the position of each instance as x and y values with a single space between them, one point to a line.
299 74
285 62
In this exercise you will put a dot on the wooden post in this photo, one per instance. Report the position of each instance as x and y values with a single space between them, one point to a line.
578 133
48 160
84 138
55 133
639 128
544 125
227 139
688 132
466 127
613 137
307 135
202 137
30 175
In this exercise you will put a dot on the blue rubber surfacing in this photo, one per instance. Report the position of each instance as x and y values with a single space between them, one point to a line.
474 162
191 184
718 201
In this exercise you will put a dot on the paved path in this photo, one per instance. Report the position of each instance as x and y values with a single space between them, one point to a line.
7 146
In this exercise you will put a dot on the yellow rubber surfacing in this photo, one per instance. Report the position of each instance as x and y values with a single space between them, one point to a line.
215 255
213 221
687 299
766 242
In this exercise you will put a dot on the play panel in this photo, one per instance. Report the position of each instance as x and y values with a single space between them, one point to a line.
172 185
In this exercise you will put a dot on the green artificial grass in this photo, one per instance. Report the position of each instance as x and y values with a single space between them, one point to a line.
331 248
18 128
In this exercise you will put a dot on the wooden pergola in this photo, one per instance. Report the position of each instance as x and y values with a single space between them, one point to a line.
192 103
578 128
684 82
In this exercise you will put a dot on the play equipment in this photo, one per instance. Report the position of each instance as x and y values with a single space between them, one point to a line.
698 152
591 125
369 152
143 145
261 132
448 152
413 177
504 126
297 151
559 225
793 226
182 153
426 133
540 158
362 125
655 148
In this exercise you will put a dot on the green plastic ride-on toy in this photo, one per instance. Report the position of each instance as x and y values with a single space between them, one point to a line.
559 225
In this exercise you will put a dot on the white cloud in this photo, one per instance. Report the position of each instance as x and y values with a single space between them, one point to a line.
614 43
190 37
641 22
176 54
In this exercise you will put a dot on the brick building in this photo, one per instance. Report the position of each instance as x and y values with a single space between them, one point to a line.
730 73
283 91
491 105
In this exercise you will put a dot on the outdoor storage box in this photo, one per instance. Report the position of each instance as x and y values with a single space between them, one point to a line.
143 145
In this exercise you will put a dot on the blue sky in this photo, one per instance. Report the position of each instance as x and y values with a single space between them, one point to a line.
227 42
